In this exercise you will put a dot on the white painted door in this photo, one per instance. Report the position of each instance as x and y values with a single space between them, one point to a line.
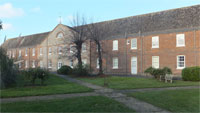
134 65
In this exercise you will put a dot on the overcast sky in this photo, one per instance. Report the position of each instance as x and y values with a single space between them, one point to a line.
27 17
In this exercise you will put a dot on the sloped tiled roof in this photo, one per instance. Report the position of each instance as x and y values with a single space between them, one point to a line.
186 17
25 41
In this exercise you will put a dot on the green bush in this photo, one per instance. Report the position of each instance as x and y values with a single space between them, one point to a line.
36 73
158 72
81 71
65 70
191 73
8 71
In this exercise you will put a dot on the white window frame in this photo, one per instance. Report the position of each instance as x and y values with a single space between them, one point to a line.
41 63
180 61
115 63
20 53
50 51
26 64
97 63
49 64
71 63
41 51
59 64
60 35
154 63
84 47
155 42
71 47
26 52
134 43
84 61
59 50
178 36
33 52
115 45
13 55
20 65
33 64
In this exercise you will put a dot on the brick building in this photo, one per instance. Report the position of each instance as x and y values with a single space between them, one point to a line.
163 39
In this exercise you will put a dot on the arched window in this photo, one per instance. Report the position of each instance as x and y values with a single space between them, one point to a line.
60 35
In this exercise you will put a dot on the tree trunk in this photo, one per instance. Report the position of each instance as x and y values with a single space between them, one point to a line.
79 56
100 59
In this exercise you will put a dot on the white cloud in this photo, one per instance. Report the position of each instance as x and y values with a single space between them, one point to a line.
7 26
35 9
8 11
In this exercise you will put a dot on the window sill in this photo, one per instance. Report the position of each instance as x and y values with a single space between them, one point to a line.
179 68
181 46
115 68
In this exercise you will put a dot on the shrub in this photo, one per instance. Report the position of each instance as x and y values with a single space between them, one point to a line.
191 73
65 70
158 72
36 73
8 71
81 71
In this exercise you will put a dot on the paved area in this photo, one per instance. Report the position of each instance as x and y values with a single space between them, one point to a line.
47 97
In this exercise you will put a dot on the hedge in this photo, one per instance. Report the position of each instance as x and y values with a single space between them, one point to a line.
191 73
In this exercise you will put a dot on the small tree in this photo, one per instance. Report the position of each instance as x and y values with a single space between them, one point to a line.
8 71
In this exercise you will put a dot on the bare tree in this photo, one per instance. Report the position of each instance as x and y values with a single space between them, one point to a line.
97 32
78 37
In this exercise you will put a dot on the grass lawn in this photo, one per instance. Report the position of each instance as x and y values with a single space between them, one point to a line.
134 83
54 85
79 104
173 100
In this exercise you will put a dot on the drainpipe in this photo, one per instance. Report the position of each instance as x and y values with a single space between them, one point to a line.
47 51
195 52
90 56
141 51
126 52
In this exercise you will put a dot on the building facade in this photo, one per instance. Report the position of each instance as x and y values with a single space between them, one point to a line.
163 39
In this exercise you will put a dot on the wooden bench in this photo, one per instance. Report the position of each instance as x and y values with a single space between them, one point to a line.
168 77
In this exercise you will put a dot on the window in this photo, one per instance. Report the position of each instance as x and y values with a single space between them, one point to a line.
155 42
50 51
71 63
97 62
33 52
20 53
134 43
115 63
84 61
40 51
26 52
13 55
180 62
20 65
26 64
83 47
41 64
115 44
33 64
155 61
180 40
60 35
71 48
59 50
59 65
49 64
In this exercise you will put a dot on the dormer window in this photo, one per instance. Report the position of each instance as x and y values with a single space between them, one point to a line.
60 35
